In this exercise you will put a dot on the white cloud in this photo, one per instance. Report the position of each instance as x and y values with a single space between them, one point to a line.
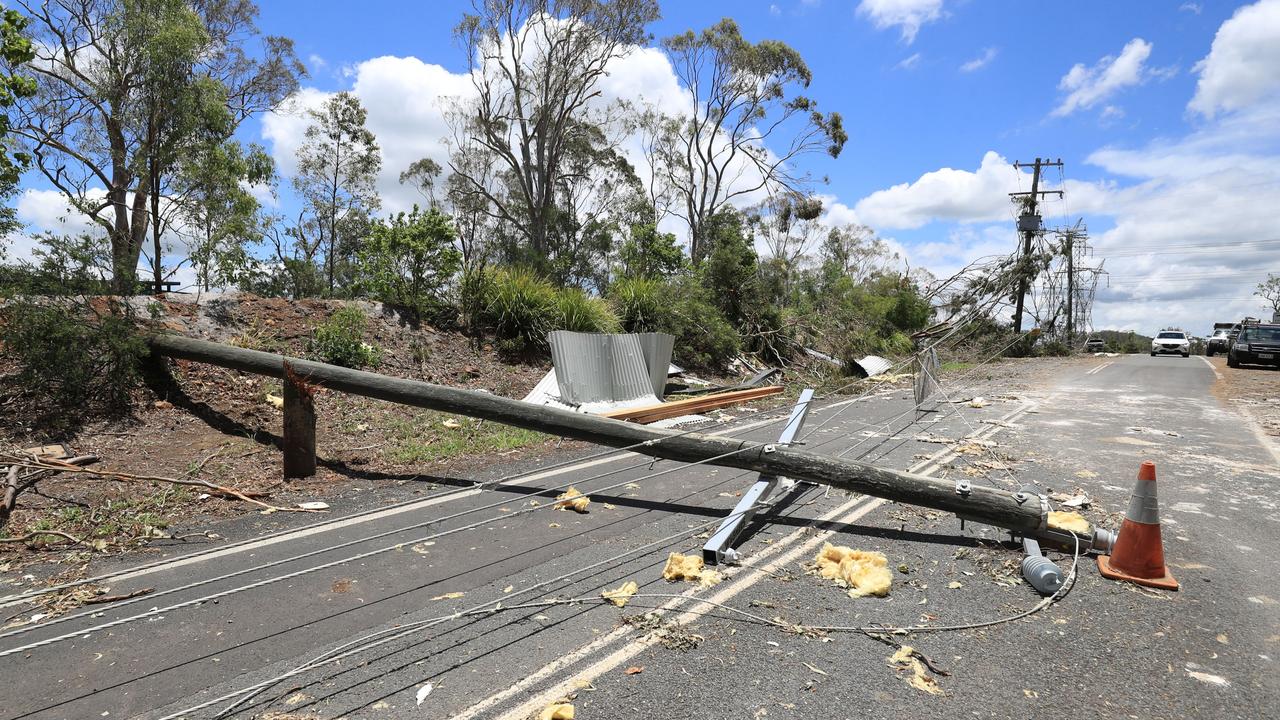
317 62
909 63
49 211
406 100
1111 112
946 194
1243 64
1086 87
774 10
909 15
981 61
1190 7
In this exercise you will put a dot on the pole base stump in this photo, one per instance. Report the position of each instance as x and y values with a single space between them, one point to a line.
1163 583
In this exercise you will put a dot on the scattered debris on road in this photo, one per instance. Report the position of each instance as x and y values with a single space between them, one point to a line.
623 593
916 675
863 572
572 499
689 568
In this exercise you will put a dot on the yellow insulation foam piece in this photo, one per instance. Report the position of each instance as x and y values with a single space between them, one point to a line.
863 572
1069 521
918 678
689 567
572 499
620 595
557 711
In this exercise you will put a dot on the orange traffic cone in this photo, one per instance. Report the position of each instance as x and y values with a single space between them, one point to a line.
1138 555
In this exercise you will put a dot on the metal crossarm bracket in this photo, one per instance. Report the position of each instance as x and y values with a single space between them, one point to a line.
719 548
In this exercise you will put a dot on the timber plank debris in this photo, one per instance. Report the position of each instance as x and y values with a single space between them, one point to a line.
663 411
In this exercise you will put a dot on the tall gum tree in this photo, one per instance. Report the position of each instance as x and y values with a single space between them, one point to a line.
746 126
536 66
105 73
337 172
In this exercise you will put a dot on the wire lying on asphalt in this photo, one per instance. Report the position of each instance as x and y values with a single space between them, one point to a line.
493 607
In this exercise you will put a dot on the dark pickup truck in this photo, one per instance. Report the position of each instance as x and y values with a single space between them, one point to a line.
1257 344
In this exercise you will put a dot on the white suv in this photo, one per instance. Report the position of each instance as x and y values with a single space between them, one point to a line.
1169 342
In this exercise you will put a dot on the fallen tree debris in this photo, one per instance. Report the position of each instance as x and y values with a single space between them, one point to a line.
121 476
863 572
103 599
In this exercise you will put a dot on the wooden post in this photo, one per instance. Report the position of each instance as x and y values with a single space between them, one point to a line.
299 426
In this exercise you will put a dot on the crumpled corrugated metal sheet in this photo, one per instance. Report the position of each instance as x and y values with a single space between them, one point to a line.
874 365
596 367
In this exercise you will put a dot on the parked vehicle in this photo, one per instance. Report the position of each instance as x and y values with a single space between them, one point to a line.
1094 345
1257 344
1218 342
1171 342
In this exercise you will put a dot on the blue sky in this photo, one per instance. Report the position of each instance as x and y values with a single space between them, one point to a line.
1164 113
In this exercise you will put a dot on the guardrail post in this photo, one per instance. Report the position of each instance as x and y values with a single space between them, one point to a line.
299 426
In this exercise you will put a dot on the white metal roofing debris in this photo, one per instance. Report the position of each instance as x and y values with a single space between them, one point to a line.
596 373
870 365
594 367
874 365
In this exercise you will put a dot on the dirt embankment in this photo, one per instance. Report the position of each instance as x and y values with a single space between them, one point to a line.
220 426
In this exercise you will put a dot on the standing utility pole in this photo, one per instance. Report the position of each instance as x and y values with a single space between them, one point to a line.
1071 291
1029 226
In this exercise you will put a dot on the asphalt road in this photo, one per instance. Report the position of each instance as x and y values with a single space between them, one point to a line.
373 615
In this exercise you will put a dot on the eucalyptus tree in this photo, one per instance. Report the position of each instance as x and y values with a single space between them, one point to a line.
744 128
15 49
537 67
219 217
126 87
338 167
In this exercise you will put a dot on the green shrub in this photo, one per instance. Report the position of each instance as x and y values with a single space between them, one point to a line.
520 308
78 362
642 305
409 259
581 313
340 340
475 287
704 338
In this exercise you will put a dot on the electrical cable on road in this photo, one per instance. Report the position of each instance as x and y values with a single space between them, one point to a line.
460 529
404 630
493 607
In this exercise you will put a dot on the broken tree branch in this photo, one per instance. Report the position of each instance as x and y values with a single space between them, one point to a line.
121 476
38 533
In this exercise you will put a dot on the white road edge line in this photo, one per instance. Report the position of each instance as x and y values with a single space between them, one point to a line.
734 587
340 523
1216 373
1263 438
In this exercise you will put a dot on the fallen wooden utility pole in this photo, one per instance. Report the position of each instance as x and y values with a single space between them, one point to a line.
1020 512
